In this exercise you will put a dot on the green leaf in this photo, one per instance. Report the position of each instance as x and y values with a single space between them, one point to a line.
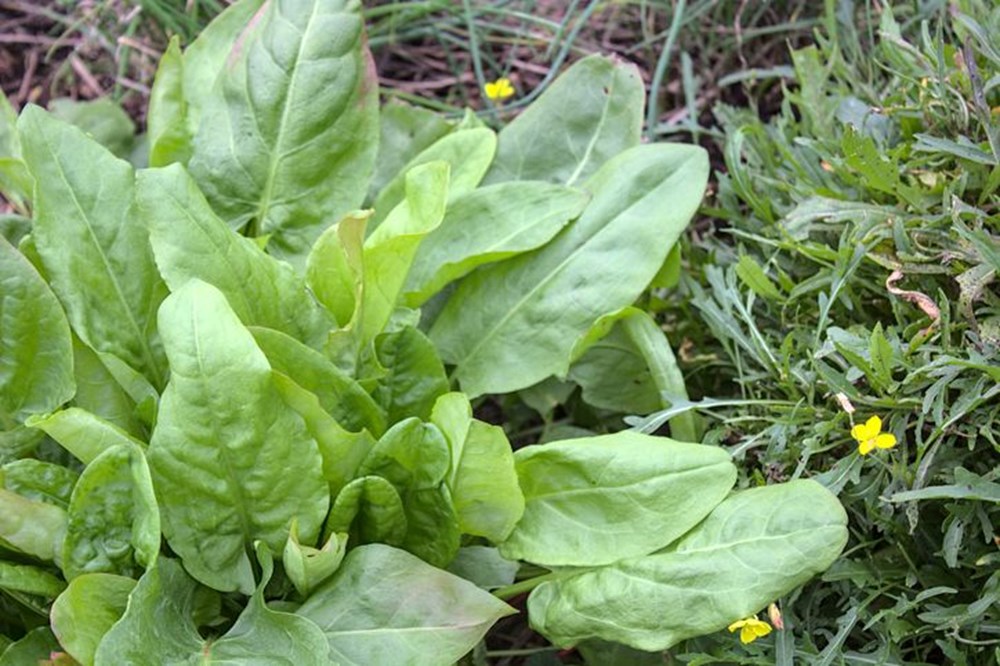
389 251
484 566
29 580
339 395
404 132
99 393
368 617
489 329
14 227
36 646
414 457
40 480
482 479
299 92
36 354
342 451
967 486
87 610
468 154
159 621
880 353
33 528
598 500
189 242
18 442
211 52
231 463
753 276
15 181
166 117
83 434
597 107
755 547
414 375
96 257
114 523
335 266
101 119
487 225
306 566
370 510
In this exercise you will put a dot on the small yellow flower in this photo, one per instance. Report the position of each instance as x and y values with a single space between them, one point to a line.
751 629
499 90
870 436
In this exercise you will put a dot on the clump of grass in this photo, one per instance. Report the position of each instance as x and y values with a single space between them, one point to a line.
846 268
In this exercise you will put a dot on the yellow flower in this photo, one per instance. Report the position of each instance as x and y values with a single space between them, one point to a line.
499 89
751 629
870 436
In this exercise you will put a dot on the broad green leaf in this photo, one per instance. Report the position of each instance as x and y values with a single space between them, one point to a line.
592 112
306 566
432 531
86 610
30 580
159 621
99 393
342 451
36 353
33 528
103 120
411 454
340 395
468 154
15 181
613 375
389 251
482 479
372 613
231 463
414 375
19 442
755 547
512 324
369 510
601 499
636 370
83 434
288 135
335 266
39 480
210 53
189 242
114 523
166 117
35 647
487 225
404 132
96 256
414 457
483 566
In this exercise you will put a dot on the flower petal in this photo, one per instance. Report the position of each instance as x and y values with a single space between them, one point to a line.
885 441
873 426
761 629
747 635
858 433
736 625
865 447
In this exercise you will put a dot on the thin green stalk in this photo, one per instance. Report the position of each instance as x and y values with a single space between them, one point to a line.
653 112
526 585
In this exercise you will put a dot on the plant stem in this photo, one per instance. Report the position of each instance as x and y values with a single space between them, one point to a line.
522 586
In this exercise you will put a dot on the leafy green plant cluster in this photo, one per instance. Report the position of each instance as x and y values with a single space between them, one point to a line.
854 276
236 403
